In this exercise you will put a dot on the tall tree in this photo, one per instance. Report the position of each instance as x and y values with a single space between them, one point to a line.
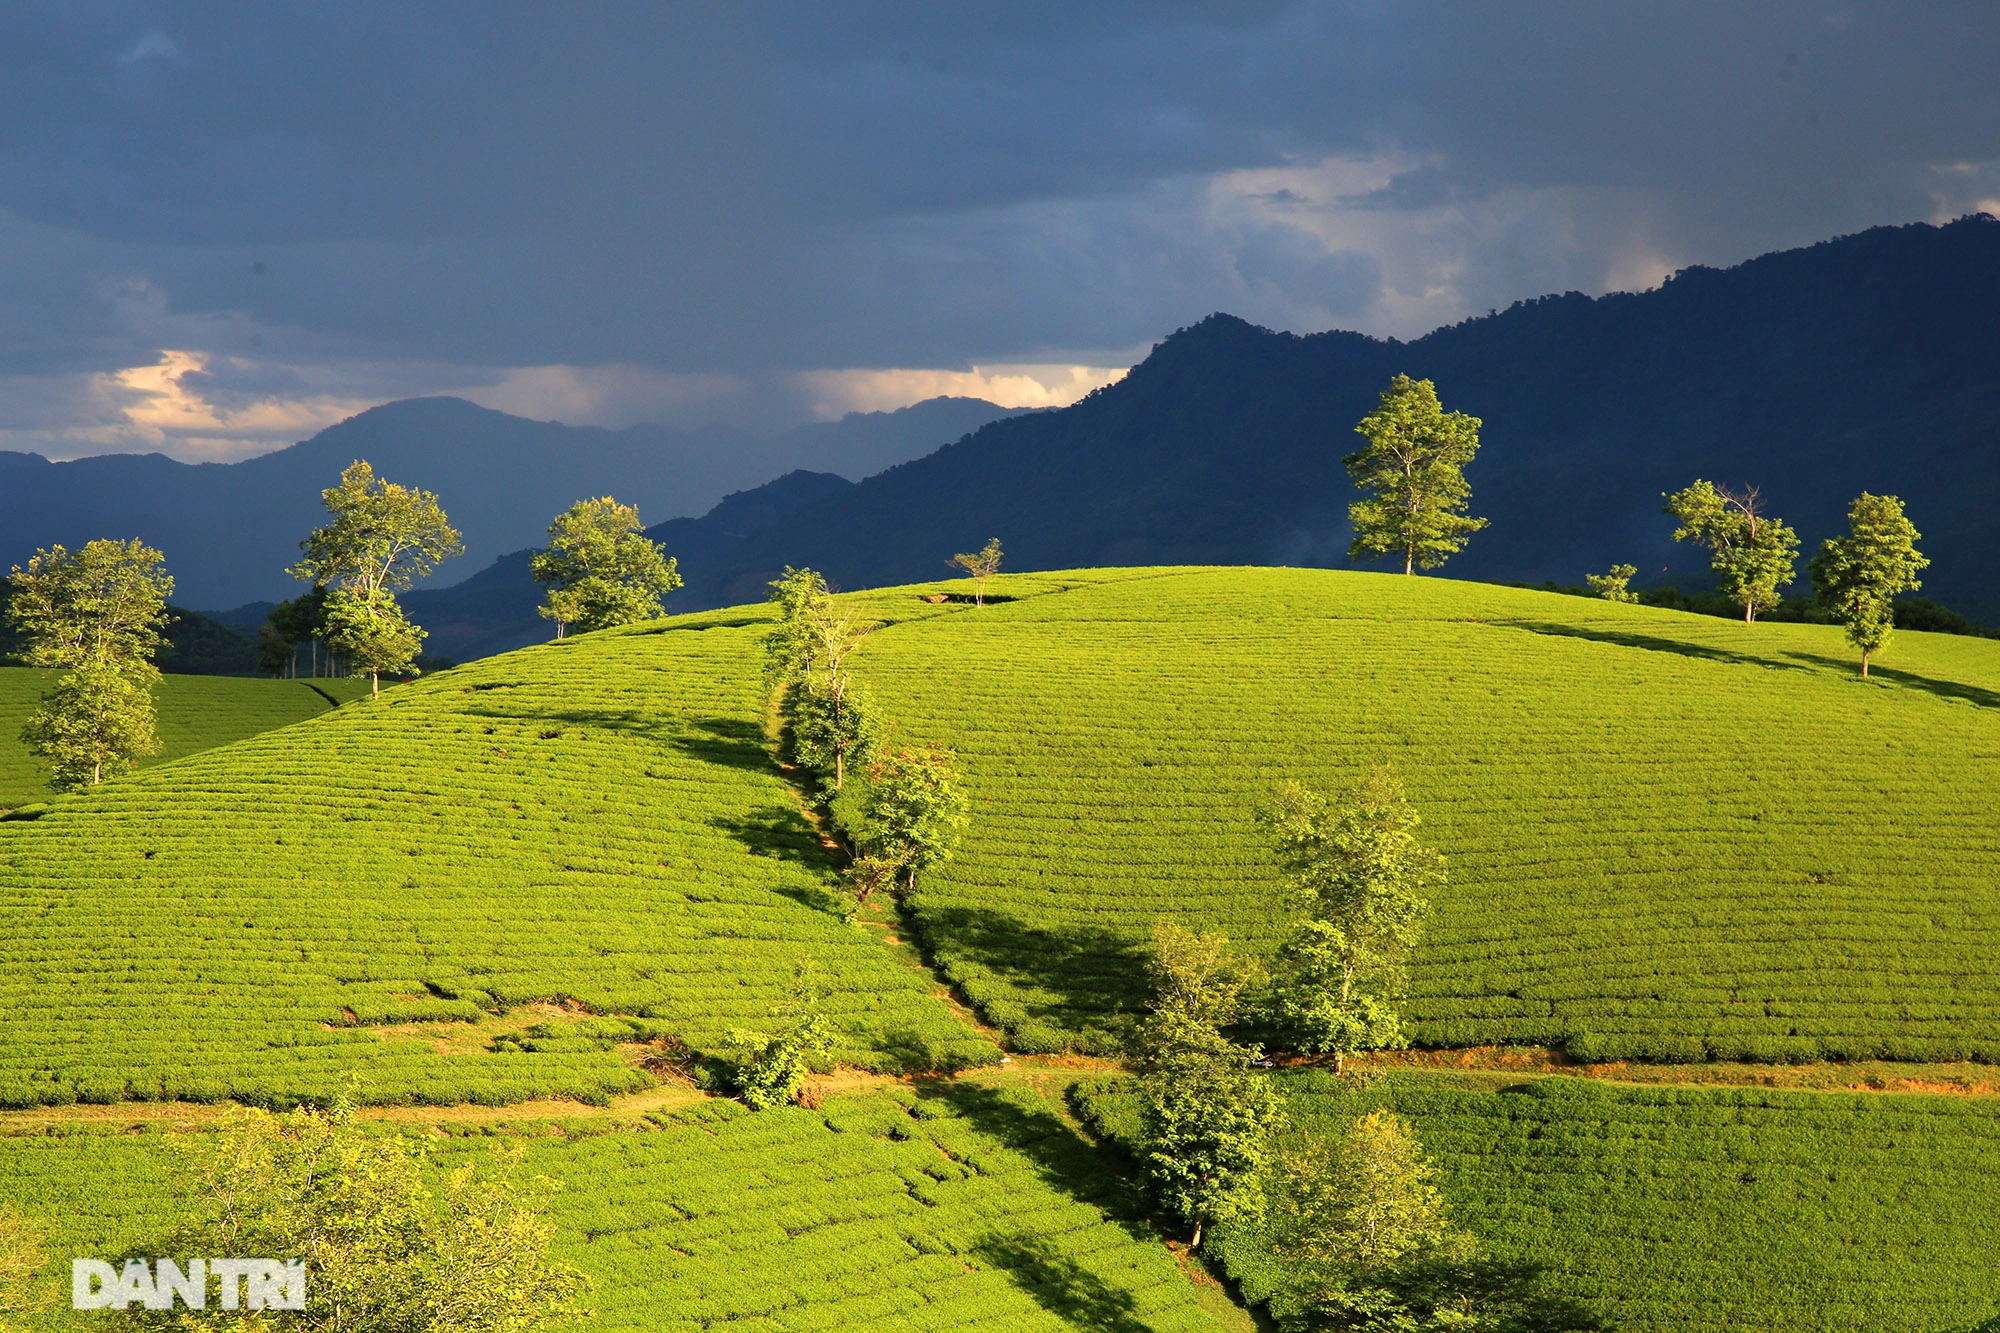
1359 876
1860 574
383 538
1612 586
980 566
98 613
1751 553
773 1066
600 570
286 626
1413 469
1208 1118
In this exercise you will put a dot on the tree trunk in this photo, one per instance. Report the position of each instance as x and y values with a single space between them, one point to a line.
1410 560
1195 1244
1339 1063
97 773
1864 664
1749 613
375 684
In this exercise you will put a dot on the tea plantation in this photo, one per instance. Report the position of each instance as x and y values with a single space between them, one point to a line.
196 713
1670 837
594 824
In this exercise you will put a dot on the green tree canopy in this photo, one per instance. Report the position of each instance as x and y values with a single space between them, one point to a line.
772 1066
1612 586
1412 469
1208 1118
94 722
600 570
383 538
103 605
1751 553
1859 575
827 722
1359 877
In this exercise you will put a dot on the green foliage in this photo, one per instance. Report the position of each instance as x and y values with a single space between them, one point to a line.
101 606
1624 880
1751 553
1413 468
1860 574
390 1244
906 817
94 724
771 1067
596 824
383 538
827 721
1207 1120
1612 586
372 634
600 570
1358 880
980 566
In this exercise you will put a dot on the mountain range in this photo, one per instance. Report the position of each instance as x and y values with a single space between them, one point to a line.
1869 362
229 530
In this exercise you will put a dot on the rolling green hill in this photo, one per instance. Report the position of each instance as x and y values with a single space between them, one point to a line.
595 824
1670 837
196 713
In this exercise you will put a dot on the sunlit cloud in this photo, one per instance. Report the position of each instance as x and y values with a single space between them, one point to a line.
833 393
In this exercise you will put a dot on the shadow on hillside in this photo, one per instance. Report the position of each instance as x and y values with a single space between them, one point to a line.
1091 977
629 720
1031 1126
1948 689
1064 1287
781 833
730 741
1651 643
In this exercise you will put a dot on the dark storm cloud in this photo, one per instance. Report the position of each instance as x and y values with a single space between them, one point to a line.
439 190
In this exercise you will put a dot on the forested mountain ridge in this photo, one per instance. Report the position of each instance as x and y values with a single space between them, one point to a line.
1862 363
229 530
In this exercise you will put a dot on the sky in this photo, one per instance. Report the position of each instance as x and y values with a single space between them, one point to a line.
226 226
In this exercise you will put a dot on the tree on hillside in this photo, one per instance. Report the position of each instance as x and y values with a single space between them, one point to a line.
286 626
1207 1117
904 818
389 1243
1359 876
981 565
600 570
1859 575
1751 553
1412 468
1612 587
383 538
98 613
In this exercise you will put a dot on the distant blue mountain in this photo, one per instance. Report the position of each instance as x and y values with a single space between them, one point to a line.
1871 362
229 530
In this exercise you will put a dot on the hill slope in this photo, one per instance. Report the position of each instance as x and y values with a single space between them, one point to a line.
196 713
1860 363
1671 837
